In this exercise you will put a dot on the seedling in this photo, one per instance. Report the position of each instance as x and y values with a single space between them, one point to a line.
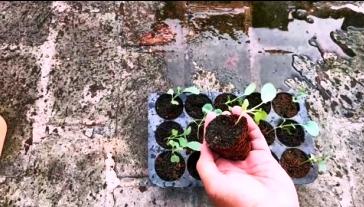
267 93
248 90
311 127
209 108
301 94
179 142
179 91
319 160
205 109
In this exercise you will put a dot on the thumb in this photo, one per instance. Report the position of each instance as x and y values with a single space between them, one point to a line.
207 168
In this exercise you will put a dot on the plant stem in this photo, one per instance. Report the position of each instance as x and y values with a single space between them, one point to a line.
308 160
231 101
249 111
199 125
252 109
175 96
282 126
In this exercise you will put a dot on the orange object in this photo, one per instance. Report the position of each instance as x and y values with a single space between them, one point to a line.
3 129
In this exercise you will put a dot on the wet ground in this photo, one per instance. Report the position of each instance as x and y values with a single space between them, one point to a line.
75 77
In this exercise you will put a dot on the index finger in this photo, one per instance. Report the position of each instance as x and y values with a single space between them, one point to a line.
209 117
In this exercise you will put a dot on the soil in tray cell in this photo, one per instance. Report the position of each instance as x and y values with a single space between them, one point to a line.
191 165
267 131
221 99
194 104
254 99
284 106
166 109
196 132
167 170
289 135
275 156
294 162
164 130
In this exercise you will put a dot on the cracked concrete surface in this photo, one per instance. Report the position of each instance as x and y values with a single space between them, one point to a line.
75 84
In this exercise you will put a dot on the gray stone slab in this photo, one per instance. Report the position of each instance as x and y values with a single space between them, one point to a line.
74 85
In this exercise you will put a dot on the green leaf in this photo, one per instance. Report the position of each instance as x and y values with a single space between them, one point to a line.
245 105
175 158
288 130
174 132
196 146
268 92
207 108
174 102
312 128
173 144
182 142
260 115
250 89
170 92
178 90
192 89
240 101
321 166
312 158
187 131
218 111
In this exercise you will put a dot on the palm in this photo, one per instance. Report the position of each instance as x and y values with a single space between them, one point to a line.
256 181
254 178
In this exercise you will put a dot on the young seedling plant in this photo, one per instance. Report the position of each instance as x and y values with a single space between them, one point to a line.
179 142
319 160
311 127
267 94
205 109
179 91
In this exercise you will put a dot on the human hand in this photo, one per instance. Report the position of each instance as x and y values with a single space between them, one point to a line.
257 181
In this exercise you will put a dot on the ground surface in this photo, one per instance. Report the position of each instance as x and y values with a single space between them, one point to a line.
74 83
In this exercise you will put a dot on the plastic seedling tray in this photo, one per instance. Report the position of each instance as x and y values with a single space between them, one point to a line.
189 180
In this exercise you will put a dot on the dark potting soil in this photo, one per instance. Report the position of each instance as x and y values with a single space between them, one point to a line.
191 165
275 156
289 136
194 104
221 99
284 106
228 139
164 130
168 170
267 131
294 162
254 99
165 109
196 134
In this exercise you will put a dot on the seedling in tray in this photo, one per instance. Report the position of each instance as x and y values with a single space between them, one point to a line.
311 127
205 109
179 142
319 160
268 92
227 135
179 91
